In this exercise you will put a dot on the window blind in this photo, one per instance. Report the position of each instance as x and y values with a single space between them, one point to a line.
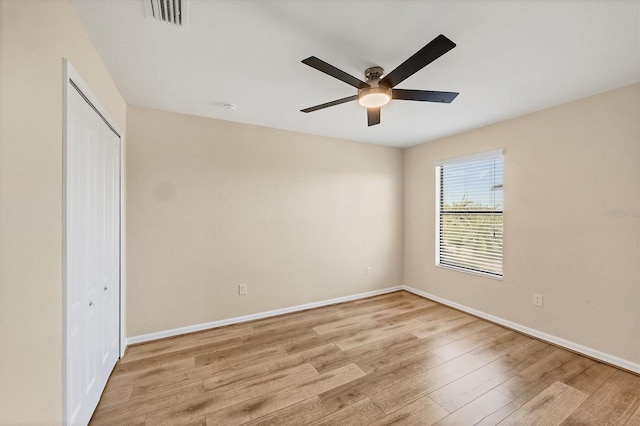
470 213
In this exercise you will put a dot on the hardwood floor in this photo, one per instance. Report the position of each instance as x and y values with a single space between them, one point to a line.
392 359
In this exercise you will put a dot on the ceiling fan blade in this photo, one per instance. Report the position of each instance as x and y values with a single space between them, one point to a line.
423 57
373 116
423 95
329 69
330 104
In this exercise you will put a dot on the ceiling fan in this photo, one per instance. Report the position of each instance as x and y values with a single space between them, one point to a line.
377 90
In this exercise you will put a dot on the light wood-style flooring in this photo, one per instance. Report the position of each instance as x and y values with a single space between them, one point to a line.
392 359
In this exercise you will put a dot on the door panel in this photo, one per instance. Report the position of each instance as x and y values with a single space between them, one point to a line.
92 255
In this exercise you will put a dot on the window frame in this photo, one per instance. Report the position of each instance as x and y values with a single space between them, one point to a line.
438 194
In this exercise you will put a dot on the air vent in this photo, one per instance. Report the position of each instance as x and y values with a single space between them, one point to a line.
172 12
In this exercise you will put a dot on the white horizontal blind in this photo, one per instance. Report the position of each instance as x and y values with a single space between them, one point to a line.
470 210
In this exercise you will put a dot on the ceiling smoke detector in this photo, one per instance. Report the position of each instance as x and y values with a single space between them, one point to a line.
171 12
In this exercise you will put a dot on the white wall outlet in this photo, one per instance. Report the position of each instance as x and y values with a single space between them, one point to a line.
537 300
368 270
242 289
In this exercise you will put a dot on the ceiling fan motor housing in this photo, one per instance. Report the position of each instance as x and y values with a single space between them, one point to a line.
374 73
377 94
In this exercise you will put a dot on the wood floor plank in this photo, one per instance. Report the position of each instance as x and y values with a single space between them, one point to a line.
405 350
356 390
416 386
372 304
345 322
266 404
300 413
308 342
612 403
439 313
393 354
177 356
420 313
502 413
544 372
130 421
266 367
362 413
280 336
476 410
115 395
134 409
233 360
256 386
560 365
501 346
449 335
471 342
229 358
450 319
194 408
367 353
469 387
175 378
191 421
374 334
151 390
395 358
365 306
634 420
306 318
179 343
153 373
590 377
234 370
551 407
421 412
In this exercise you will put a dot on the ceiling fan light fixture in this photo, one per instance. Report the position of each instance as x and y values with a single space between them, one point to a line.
378 90
374 97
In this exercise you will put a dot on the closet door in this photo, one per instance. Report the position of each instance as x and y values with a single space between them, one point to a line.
92 221
110 243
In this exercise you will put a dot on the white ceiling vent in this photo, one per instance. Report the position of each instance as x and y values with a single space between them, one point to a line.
172 12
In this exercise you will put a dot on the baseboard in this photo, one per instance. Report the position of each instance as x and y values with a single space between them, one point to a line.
572 346
205 326
567 344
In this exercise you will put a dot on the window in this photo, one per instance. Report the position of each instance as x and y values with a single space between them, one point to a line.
469 213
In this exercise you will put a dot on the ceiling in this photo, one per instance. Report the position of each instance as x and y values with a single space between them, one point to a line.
512 58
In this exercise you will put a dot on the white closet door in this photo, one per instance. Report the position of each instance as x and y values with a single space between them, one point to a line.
92 255
111 261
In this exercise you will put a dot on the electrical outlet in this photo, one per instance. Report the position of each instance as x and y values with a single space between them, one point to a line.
537 300
368 270
242 289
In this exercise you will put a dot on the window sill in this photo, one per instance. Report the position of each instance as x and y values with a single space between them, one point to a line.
466 271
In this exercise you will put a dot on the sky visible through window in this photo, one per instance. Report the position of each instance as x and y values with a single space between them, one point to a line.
473 186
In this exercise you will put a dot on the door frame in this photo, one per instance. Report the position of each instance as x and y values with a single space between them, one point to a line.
71 76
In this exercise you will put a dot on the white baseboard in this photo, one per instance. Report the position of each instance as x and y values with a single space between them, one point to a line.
205 326
575 347
590 352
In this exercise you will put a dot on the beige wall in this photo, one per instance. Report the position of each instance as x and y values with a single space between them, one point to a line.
34 36
211 204
565 167
299 217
